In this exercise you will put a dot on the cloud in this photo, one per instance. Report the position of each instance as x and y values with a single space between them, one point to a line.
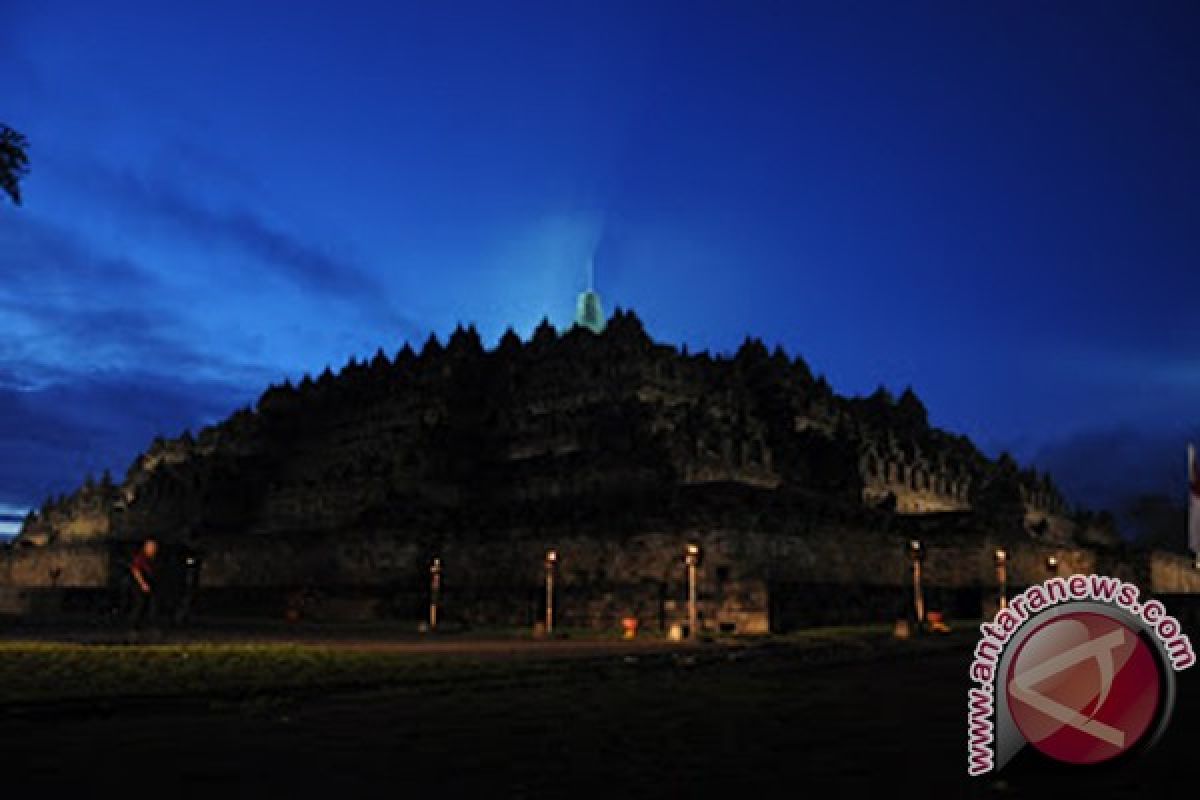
93 366
38 257
276 252
69 310
1110 466
54 435
101 354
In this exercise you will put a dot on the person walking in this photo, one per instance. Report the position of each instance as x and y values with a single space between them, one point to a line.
142 589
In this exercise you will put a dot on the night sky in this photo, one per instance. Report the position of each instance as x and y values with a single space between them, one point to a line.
995 203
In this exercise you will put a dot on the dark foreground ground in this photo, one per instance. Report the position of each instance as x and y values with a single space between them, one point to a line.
851 716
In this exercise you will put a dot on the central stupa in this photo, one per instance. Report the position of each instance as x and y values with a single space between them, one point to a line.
588 311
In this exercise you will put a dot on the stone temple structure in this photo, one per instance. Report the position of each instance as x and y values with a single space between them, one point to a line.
330 498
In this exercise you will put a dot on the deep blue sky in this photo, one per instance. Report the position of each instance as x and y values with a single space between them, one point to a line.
995 203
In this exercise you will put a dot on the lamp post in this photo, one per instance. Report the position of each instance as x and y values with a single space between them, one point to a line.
692 559
917 553
1002 576
1052 565
435 591
551 560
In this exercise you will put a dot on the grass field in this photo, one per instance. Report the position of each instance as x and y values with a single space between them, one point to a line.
845 712
34 674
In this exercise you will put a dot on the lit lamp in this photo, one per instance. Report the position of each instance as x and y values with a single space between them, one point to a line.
692 559
1052 565
917 553
551 561
435 590
1002 576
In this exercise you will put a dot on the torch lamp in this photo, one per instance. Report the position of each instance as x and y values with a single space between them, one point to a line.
1002 575
1052 565
691 557
435 591
916 552
551 562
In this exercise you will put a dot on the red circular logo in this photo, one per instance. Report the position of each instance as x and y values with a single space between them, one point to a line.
1083 688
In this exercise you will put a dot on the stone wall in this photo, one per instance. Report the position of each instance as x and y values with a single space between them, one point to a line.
747 581
64 566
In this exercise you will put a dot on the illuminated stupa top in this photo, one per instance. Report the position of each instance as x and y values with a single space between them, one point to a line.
588 312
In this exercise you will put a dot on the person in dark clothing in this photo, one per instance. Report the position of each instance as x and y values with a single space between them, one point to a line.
141 586
191 583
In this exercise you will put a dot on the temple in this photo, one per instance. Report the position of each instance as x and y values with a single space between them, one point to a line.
611 448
